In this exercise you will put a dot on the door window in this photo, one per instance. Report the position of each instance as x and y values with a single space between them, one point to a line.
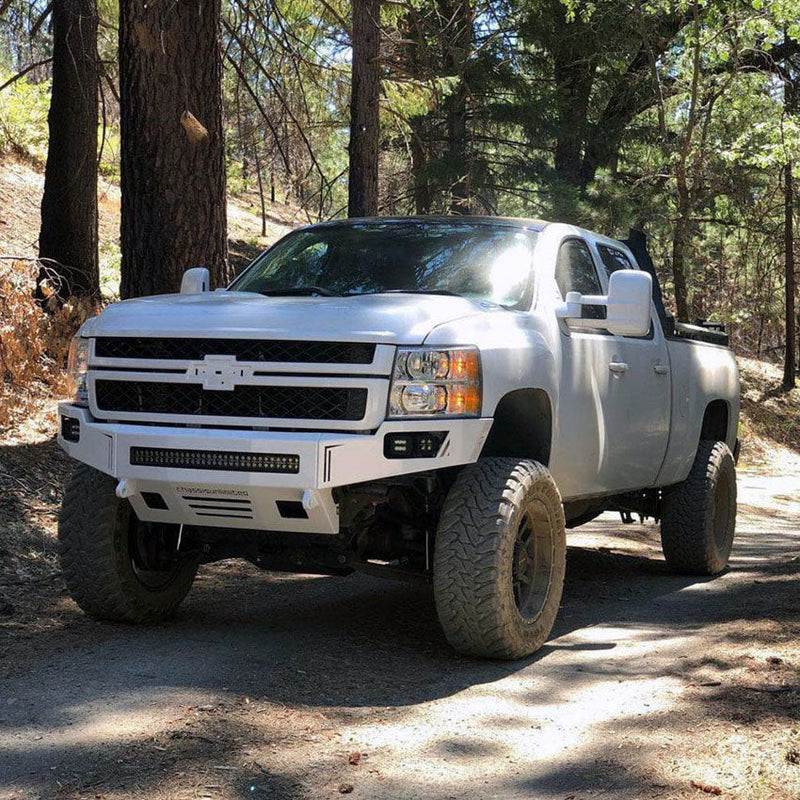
575 272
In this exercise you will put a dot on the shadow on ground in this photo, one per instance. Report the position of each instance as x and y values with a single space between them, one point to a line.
102 707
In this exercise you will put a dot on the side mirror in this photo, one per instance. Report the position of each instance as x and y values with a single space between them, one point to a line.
630 294
195 280
627 304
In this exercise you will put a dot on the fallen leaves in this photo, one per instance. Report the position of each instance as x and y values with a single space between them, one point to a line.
354 759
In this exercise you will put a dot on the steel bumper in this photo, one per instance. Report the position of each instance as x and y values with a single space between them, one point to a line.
313 463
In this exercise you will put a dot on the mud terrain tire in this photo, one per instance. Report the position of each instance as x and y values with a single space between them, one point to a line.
499 559
698 516
95 530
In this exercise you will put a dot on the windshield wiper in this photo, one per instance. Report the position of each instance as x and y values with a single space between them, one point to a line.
407 291
300 291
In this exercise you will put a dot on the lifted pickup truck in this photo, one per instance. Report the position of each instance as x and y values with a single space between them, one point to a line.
433 398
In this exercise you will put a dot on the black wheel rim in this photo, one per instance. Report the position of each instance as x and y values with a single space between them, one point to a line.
722 500
150 544
532 567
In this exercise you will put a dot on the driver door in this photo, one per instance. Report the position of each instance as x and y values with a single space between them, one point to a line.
605 392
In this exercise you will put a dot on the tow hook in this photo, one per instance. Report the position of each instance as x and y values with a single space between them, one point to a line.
125 488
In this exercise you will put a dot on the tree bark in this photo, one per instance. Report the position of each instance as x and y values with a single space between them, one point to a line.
458 45
260 189
172 153
364 110
789 361
574 77
680 238
458 156
421 185
68 233
791 105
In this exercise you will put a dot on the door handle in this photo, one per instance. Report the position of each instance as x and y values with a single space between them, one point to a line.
618 367
661 369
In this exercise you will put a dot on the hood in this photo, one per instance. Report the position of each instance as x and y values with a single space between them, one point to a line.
379 318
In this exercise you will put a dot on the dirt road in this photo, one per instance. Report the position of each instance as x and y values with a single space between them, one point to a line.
293 687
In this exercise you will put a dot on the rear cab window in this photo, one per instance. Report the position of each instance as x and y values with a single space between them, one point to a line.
613 259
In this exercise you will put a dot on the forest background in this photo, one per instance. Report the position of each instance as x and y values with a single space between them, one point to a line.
678 118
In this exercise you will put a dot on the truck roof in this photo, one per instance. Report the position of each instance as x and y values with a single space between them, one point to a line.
517 222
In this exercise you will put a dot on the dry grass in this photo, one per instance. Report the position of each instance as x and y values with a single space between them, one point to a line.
770 420
33 344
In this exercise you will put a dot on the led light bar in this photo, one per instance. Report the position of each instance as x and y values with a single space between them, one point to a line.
214 459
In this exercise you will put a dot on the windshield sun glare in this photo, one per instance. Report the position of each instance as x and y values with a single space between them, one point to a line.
477 260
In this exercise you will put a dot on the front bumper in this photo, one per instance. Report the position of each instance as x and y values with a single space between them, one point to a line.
258 500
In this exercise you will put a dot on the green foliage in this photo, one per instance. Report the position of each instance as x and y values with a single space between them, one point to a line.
669 110
109 141
23 117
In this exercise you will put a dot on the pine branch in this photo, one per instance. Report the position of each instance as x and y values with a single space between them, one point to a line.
24 72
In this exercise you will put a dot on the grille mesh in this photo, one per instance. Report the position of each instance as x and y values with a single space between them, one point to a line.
243 349
276 402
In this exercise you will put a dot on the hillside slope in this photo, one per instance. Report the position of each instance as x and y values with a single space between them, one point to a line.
769 426
21 188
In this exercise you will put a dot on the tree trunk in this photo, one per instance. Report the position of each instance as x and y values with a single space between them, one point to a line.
421 185
574 70
458 45
573 78
260 190
68 233
789 361
680 237
458 156
683 191
364 110
172 153
791 104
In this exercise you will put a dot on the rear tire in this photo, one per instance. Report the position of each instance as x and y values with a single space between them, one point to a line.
101 542
698 516
500 558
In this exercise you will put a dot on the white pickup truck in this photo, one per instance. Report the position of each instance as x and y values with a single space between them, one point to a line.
426 398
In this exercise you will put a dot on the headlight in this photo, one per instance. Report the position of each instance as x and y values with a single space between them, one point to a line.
436 382
77 366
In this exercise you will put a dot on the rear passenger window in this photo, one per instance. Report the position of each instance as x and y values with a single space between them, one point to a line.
613 259
575 272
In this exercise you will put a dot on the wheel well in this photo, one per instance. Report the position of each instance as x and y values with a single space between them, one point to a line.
715 421
522 427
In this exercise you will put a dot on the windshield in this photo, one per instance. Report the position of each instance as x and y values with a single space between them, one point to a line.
479 261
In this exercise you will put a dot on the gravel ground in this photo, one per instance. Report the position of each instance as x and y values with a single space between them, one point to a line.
297 687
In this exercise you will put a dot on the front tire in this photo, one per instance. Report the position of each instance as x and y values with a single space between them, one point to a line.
698 516
500 558
107 554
